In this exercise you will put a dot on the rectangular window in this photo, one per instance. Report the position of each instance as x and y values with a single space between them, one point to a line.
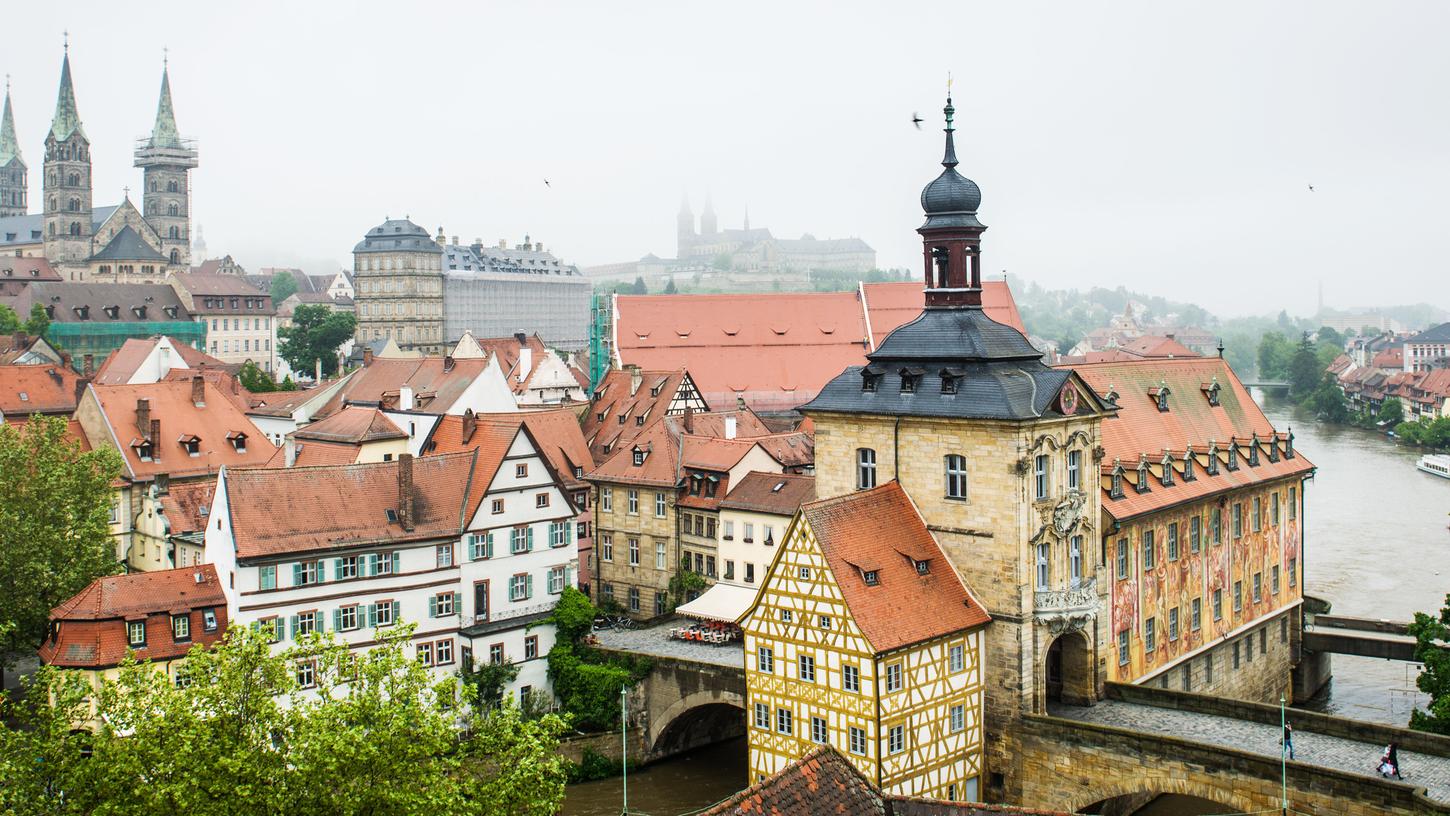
660 562
958 718
496 506
765 659
1173 624
1293 503
606 547
1274 508
443 605
521 470
383 563
1074 470
634 600
1238 595
807 668
519 587
786 615
520 540
347 618
818 730
444 555
824 621
1263 640
136 633
748 533
268 576
893 677
956 476
709 566
1215 525
1195 533
865 468
558 533
1238 520
531 647
443 652
1122 559
1150 634
606 500
1293 571
1208 668
858 741
1074 561
1218 604
306 674
208 620
425 653
480 546
1123 648
306 573
633 501
347 567
1236 654
556 580
1274 580
1258 513
1258 587
956 658
659 505
1039 475
896 739
783 720
659 603
1044 570
851 678
1173 541
1195 614
1150 552
762 716
728 531
634 552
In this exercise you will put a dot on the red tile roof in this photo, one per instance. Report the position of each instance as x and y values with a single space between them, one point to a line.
298 510
558 433
353 424
122 364
188 505
880 530
668 448
27 268
225 381
778 493
170 402
37 389
611 419
506 351
1392 357
434 389
776 350
92 624
1139 428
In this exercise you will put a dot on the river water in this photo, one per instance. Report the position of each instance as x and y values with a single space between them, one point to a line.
1377 546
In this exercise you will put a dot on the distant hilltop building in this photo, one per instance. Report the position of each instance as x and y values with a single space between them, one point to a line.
426 293
742 254
109 244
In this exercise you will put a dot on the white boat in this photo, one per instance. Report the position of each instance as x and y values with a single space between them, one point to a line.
1436 463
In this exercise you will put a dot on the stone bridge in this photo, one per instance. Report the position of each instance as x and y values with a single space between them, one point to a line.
689 701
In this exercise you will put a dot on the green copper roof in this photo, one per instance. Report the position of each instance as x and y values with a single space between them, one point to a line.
164 134
67 118
9 145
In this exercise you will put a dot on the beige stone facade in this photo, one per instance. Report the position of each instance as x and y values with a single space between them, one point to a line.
398 275
635 546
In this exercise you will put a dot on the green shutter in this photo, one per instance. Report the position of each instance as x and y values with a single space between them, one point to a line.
432 606
297 574
529 538
529 585
397 562
321 571
337 568
396 610
372 616
488 545
294 628
372 568
337 619
458 603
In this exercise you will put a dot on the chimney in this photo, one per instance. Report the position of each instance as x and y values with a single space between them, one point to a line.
81 388
198 392
89 366
19 339
470 424
447 363
730 427
290 449
317 373
155 440
405 491
522 338
65 359
367 356
689 419
405 398
635 378
143 415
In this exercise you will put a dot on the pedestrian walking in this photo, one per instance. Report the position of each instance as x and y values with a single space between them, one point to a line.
1288 739
1390 762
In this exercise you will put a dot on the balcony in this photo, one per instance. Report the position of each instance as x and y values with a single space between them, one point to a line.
1066 610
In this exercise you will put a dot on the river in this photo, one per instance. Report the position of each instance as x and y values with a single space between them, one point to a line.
1377 546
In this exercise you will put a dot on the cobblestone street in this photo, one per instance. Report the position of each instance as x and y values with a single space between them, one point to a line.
1351 756
656 641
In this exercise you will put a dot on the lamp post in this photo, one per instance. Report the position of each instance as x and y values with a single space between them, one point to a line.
1283 758
624 744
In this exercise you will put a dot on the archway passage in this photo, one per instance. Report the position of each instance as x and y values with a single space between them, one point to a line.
1148 803
701 725
1069 671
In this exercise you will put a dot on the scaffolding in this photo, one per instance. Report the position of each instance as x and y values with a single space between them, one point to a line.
82 338
601 338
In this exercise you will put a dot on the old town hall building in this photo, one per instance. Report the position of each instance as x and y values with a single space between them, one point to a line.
107 244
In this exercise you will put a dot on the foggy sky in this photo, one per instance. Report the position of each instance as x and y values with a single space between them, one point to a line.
1166 147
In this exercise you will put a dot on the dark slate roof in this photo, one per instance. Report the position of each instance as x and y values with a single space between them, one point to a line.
955 334
131 300
27 228
397 235
128 246
1435 334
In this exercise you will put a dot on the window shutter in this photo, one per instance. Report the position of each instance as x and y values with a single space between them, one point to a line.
321 571
432 606
457 603
529 585
337 619
488 545
569 532
396 605
372 616
256 626
372 564
320 622
294 627
297 574
529 538
397 561
337 567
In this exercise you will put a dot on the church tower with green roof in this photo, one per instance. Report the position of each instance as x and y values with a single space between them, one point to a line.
66 183
166 160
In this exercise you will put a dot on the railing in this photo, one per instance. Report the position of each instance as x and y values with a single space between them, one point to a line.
465 621
1066 609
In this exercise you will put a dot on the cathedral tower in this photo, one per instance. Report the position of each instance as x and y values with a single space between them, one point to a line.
166 159
12 166
684 229
67 180
708 222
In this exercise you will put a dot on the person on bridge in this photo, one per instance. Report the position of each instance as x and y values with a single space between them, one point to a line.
1289 739
1390 762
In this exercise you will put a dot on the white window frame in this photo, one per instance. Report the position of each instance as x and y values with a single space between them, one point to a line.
955 466
865 468
1074 561
1074 470
1044 566
1040 486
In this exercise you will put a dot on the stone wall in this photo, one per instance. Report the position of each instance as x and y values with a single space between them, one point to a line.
1266 657
620 526
682 705
607 745
1070 765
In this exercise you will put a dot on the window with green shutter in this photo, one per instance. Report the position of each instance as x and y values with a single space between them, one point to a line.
268 576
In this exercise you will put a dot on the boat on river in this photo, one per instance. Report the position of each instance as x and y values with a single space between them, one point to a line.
1435 463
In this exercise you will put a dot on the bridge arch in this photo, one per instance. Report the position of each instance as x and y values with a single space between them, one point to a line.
1225 799
1068 671
696 719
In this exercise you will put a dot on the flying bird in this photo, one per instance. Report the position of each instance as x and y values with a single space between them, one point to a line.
916 120
1311 188
547 184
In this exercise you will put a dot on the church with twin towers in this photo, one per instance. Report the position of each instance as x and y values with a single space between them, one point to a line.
116 243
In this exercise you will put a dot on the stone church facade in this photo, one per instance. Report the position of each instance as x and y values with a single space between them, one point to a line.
108 244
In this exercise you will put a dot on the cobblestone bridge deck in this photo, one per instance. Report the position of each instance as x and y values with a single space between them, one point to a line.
1321 750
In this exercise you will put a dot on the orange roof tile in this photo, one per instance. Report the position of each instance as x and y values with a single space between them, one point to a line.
225 381
92 624
298 510
121 365
562 440
37 389
1139 428
188 505
434 388
170 402
880 530
354 424
778 493
612 418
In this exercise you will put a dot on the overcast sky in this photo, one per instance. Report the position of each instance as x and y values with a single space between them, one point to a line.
1167 147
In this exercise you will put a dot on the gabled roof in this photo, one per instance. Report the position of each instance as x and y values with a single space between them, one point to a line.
1434 334
92 624
128 245
628 394
311 509
353 424
170 402
37 389
661 461
187 505
1152 346
434 388
880 530
120 367
204 283
779 493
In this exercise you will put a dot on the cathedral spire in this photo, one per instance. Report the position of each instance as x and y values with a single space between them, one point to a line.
67 117
164 133
9 145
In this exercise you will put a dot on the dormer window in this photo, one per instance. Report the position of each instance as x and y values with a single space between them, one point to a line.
1160 396
1116 491
169 310
622 418
639 420
1167 479
1211 391
238 440
140 311
1273 449
1254 451
1111 397
1212 466
1289 445
82 312
909 381
192 444
1142 486
1233 455
871 577
922 567
112 311
601 416
1188 463
869 380
144 451
639 455
950 380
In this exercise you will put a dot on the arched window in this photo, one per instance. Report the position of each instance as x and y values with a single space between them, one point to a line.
956 476
171 186
74 205
52 228
175 255
75 228
53 206
174 232
154 185
172 209
865 468
73 180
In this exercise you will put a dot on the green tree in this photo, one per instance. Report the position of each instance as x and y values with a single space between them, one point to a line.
287 384
1328 401
315 334
722 262
55 533
1429 633
1391 411
639 287
9 320
283 287
39 323
254 379
487 681
1275 353
1329 336
1305 370
586 681
670 288
375 735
